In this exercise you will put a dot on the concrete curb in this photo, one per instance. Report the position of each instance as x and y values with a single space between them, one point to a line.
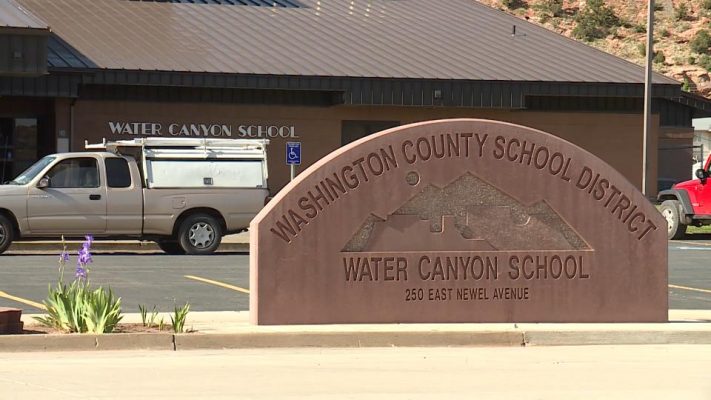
585 338
79 342
346 339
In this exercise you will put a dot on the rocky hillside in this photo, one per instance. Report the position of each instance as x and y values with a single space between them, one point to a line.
682 31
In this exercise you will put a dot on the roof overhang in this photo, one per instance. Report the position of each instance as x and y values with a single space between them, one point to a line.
700 105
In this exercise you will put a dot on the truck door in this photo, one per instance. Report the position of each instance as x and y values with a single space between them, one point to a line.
74 202
124 207
700 193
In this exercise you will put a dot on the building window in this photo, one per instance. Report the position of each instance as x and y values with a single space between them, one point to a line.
354 130
74 173
117 173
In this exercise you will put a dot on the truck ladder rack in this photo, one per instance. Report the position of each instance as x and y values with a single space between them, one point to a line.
188 143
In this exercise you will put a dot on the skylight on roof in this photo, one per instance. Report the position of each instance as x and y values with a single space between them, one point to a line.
257 3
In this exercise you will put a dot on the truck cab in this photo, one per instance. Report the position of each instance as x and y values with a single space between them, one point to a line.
687 203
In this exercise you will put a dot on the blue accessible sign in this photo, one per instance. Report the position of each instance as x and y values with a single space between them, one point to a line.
293 153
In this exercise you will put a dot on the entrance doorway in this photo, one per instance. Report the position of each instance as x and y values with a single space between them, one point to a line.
18 146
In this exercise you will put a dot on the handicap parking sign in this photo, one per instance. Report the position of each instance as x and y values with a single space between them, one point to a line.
293 153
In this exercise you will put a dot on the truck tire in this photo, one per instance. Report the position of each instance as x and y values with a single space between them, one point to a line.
200 234
170 247
7 233
671 210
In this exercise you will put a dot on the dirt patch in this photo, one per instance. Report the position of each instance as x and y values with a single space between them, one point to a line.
120 328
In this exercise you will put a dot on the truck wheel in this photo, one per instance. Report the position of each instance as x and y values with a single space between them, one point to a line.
200 234
6 233
671 210
172 248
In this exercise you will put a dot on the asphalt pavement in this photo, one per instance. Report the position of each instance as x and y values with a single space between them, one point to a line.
220 282
690 274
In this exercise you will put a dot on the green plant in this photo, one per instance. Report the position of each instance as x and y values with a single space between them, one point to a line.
514 4
76 307
161 324
146 319
686 86
706 4
642 49
691 60
640 28
682 27
103 311
595 21
659 57
681 12
701 42
177 320
550 8
705 62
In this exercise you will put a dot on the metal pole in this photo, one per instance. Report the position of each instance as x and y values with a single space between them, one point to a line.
293 170
648 92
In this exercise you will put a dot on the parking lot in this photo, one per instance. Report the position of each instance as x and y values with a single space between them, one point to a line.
221 282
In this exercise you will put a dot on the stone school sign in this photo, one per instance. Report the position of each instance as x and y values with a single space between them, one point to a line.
458 221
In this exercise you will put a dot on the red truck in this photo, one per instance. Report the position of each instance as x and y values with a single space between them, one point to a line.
687 203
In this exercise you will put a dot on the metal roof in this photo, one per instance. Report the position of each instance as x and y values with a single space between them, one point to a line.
421 39
61 54
258 3
14 16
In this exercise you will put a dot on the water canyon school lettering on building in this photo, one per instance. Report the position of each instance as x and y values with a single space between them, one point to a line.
458 221
201 130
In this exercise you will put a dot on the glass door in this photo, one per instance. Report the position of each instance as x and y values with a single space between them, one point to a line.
18 146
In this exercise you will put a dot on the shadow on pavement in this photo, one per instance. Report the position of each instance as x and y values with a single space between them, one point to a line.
697 236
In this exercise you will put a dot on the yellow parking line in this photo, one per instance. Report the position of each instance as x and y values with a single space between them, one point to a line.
690 288
692 243
224 285
23 301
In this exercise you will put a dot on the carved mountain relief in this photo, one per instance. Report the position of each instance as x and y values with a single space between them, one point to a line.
468 214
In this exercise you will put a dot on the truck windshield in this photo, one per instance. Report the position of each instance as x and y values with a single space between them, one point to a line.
27 175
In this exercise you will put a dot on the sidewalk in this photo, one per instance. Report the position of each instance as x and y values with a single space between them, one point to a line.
232 330
238 242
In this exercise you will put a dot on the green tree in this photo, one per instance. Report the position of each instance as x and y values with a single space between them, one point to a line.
681 13
595 21
514 4
659 57
701 42
705 62
551 8
686 86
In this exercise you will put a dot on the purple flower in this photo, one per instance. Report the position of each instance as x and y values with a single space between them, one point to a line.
84 256
64 257
80 273
88 242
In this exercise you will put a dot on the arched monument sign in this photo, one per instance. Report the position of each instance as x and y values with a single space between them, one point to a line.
458 221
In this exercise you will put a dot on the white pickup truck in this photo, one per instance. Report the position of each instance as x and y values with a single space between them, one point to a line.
184 194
